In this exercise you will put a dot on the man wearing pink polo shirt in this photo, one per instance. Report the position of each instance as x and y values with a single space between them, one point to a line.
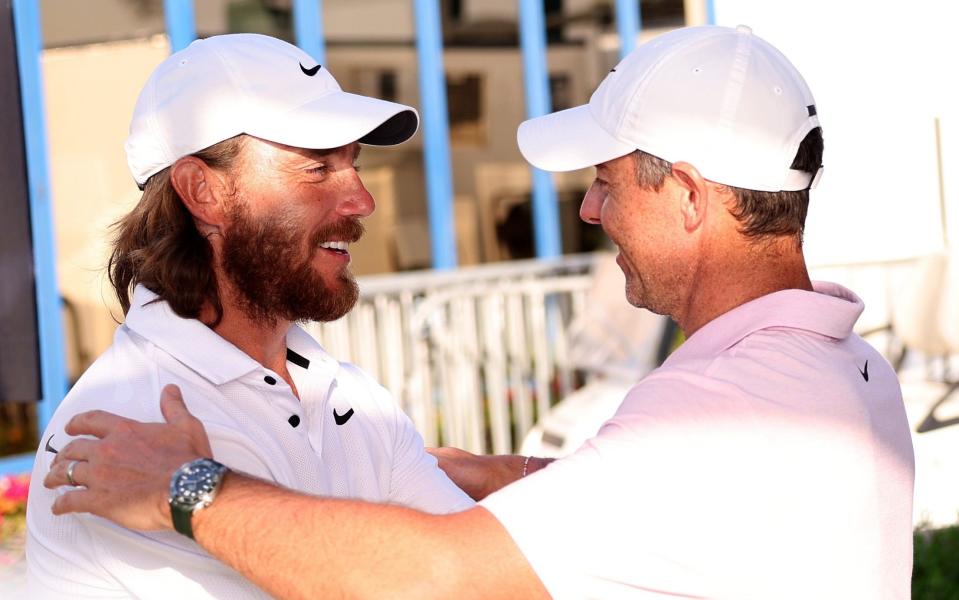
769 457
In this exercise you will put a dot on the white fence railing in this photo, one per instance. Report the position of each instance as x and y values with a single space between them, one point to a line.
472 355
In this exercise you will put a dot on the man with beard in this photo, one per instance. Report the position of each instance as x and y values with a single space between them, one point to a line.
245 150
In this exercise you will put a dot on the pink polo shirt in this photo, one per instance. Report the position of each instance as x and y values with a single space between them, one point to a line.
769 457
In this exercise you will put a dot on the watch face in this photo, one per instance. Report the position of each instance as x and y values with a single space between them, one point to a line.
194 484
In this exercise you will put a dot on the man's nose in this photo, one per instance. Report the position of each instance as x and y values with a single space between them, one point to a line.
357 200
592 205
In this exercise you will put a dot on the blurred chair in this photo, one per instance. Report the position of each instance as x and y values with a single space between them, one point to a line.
925 318
915 308
946 316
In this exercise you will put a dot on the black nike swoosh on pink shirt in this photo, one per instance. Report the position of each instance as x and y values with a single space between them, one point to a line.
340 419
864 371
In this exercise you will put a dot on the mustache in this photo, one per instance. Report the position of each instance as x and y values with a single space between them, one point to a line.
348 230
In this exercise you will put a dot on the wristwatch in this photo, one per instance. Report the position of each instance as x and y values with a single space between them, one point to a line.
193 487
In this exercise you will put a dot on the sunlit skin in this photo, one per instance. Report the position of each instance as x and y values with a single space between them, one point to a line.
680 248
310 188
645 225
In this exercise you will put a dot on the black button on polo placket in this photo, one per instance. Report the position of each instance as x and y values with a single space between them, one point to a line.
294 420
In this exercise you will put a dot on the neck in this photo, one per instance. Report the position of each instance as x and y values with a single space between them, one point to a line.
264 342
736 275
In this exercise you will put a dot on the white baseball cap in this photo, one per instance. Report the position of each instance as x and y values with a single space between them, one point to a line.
719 98
226 85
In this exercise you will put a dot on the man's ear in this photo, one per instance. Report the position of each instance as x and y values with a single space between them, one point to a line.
199 187
695 194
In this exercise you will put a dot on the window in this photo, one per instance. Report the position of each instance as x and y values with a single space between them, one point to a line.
376 82
560 91
465 108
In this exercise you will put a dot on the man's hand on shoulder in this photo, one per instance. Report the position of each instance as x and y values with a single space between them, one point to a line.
123 474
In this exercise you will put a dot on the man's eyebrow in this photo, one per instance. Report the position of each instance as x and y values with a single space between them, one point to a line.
320 153
317 153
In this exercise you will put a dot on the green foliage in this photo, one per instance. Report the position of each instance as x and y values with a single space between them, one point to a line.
935 570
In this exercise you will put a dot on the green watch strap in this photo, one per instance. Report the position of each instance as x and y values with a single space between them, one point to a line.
182 521
192 487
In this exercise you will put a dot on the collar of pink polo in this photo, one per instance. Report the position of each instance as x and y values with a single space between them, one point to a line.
830 310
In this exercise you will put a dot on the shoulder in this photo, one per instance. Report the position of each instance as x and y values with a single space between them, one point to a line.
123 380
363 387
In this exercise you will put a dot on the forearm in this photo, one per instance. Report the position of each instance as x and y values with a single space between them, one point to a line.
298 546
503 470
290 544
479 475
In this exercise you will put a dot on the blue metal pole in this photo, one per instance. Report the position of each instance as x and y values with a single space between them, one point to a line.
532 29
180 23
628 23
436 138
308 28
710 12
53 374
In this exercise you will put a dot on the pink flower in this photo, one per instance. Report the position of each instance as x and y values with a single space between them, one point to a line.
13 493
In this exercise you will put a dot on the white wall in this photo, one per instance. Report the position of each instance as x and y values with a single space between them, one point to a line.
881 72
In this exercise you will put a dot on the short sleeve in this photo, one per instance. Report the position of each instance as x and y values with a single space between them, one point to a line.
417 481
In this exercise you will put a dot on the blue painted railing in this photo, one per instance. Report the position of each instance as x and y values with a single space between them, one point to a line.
180 23
436 138
532 34
628 24
53 373
308 28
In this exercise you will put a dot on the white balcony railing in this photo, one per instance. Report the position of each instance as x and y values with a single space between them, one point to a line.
472 355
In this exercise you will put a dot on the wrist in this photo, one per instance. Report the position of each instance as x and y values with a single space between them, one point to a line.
193 487
531 464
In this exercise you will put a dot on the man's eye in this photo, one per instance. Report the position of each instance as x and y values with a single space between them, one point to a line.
320 170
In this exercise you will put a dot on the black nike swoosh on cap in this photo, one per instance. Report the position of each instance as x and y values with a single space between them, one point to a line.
340 419
48 447
310 72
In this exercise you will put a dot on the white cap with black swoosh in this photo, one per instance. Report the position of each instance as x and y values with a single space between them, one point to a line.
226 85
721 99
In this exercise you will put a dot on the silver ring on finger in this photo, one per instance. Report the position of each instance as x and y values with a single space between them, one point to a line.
70 478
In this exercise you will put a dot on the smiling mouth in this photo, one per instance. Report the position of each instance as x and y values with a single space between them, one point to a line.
338 247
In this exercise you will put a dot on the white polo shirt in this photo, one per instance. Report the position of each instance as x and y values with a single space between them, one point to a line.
769 457
345 437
